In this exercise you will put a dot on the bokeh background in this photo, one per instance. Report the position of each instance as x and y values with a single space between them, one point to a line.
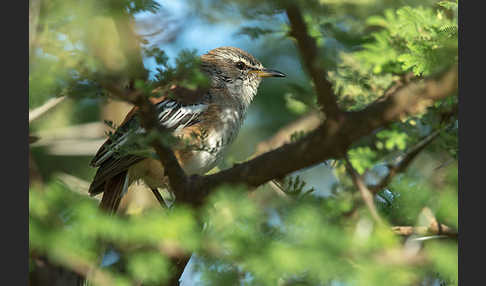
73 41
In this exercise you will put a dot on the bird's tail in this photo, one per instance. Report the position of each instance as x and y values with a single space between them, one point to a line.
115 188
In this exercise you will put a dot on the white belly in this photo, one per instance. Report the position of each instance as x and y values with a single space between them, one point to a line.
199 161
203 161
215 143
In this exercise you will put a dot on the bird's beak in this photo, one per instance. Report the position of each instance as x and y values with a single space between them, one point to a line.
269 73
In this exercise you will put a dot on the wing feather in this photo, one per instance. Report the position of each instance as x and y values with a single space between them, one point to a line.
174 114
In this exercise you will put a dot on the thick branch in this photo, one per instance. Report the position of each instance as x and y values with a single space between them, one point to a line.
332 138
411 98
310 55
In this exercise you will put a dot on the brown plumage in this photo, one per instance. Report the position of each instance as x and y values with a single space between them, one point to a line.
214 116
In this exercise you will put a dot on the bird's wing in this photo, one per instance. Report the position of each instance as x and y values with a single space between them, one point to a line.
180 109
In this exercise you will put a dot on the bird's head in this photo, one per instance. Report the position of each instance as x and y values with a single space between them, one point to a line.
237 71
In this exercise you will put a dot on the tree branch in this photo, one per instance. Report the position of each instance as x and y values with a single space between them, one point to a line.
41 110
130 44
424 230
365 193
306 123
331 139
310 55
405 160
411 98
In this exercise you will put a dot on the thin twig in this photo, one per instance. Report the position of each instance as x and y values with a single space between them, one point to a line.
404 162
424 230
431 227
446 163
84 131
41 110
366 194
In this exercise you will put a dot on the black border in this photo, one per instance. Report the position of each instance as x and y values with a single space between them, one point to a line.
14 122
471 143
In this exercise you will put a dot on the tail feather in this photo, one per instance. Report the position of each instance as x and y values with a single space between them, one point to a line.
114 191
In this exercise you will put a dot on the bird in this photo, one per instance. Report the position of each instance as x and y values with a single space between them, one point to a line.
206 123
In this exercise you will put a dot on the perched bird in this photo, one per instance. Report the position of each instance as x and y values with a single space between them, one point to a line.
207 122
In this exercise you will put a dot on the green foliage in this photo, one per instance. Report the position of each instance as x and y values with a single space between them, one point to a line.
69 229
294 105
362 158
303 245
258 239
410 193
391 139
356 85
420 39
240 237
445 261
148 267
300 99
186 71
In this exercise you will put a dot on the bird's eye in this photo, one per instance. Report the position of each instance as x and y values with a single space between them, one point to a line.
240 65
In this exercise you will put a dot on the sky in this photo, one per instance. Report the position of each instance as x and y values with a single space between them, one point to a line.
196 33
